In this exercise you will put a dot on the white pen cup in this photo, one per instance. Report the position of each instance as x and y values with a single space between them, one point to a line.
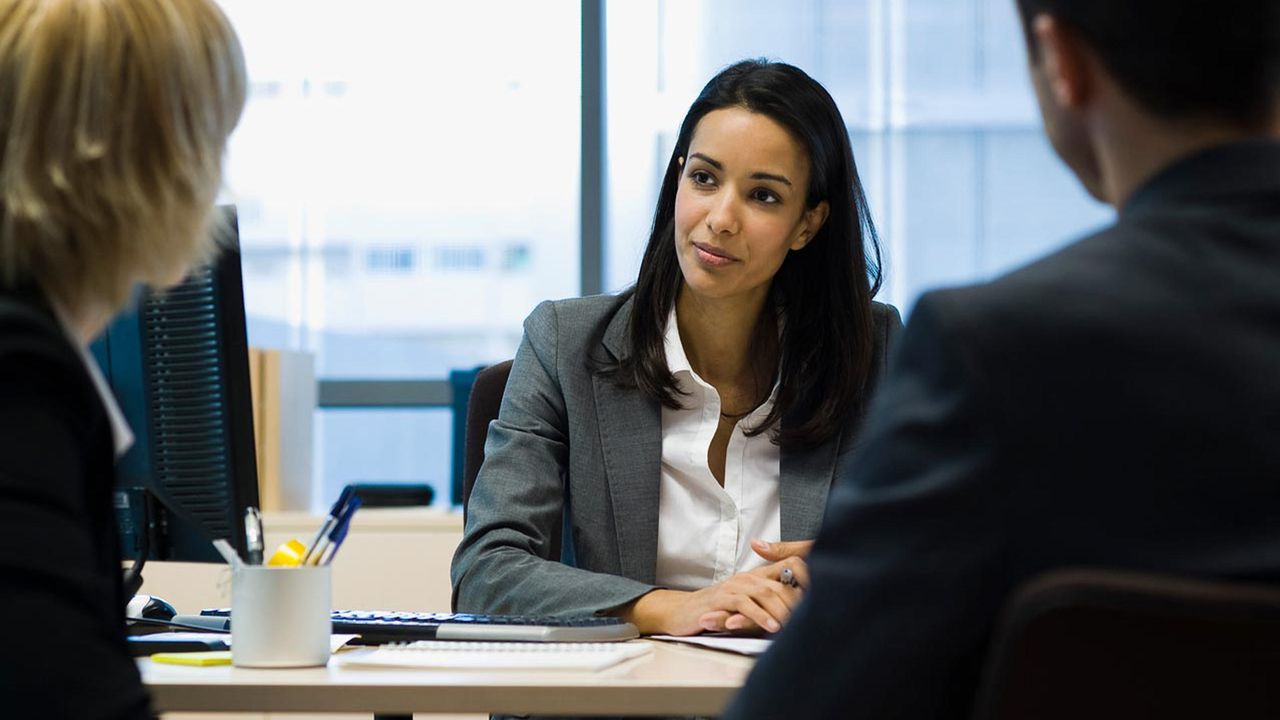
280 616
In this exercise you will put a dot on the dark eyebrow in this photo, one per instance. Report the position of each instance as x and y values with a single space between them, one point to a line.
754 176
713 163
767 176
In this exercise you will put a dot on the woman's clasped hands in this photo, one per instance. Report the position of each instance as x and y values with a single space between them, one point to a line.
777 589
746 603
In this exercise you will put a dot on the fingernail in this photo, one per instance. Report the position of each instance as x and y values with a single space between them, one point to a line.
773 625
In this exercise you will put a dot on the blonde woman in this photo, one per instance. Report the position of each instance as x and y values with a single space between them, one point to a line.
114 116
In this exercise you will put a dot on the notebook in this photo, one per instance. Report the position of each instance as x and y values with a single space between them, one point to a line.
455 655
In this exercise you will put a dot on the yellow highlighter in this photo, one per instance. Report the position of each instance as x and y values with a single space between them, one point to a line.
289 554
211 657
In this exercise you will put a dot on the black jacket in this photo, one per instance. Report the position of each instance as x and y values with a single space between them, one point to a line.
61 597
1116 403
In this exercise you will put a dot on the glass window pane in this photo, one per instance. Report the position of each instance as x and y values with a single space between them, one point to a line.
407 177
390 446
407 180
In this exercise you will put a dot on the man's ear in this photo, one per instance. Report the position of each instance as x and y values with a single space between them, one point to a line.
1065 62
810 224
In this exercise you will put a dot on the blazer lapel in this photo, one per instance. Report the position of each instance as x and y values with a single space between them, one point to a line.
631 449
805 483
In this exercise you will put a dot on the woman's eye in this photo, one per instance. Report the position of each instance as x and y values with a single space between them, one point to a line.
701 177
765 196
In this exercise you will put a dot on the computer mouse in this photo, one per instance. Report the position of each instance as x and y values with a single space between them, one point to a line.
150 607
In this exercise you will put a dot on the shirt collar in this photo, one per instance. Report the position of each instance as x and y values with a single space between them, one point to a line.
678 363
677 360
121 434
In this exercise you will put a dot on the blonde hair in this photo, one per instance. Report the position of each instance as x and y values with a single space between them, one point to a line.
114 118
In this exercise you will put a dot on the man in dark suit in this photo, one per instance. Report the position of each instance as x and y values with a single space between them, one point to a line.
1116 403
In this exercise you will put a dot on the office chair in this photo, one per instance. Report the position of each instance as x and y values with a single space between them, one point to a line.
482 407
1104 644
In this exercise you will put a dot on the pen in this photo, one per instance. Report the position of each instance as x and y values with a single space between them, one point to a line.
317 557
340 532
327 527
253 535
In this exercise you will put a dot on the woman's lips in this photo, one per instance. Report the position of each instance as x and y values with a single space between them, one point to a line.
712 256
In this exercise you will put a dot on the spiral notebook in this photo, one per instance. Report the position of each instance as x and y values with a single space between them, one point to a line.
454 655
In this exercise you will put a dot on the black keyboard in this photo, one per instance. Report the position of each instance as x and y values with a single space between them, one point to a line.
380 626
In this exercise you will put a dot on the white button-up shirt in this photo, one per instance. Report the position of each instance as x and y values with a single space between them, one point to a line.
705 530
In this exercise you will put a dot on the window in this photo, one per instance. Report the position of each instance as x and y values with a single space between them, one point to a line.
407 180
407 173
385 446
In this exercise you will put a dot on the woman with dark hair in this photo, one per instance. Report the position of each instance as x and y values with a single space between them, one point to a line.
665 455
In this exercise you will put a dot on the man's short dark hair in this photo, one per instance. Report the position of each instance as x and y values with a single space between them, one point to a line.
1182 59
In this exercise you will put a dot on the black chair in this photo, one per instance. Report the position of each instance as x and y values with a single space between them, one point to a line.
482 407
1103 644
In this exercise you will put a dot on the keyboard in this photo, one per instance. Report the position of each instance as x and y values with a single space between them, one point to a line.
376 627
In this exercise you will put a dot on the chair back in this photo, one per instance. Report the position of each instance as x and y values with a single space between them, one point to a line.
1104 644
482 407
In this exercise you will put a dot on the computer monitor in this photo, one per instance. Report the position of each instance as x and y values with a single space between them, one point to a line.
177 362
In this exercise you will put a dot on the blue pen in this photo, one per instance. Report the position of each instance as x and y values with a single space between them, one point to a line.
340 532
335 513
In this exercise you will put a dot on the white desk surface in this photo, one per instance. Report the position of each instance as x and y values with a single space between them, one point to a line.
672 680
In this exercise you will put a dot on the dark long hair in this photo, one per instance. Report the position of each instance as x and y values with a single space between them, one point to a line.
824 289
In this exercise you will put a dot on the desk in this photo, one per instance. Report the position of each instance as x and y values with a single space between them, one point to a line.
673 680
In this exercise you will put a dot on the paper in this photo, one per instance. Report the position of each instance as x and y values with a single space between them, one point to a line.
728 643
176 636
469 655
212 657
337 641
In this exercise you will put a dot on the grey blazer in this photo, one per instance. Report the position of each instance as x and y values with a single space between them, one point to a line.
572 454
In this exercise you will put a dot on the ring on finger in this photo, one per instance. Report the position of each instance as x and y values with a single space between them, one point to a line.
788 578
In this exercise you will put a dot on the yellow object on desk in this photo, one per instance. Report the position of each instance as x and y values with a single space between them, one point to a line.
211 657
289 554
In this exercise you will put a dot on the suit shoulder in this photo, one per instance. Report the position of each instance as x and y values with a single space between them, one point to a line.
886 317
575 321
40 369
30 335
583 311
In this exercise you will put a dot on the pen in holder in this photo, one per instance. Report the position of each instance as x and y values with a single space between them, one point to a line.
280 616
